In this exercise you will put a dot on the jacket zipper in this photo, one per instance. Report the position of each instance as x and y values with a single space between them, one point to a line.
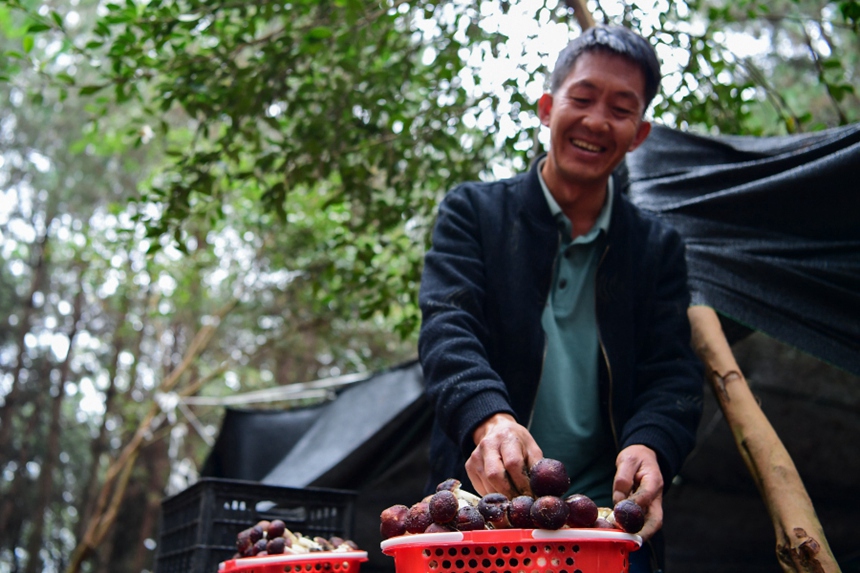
606 358
543 358
652 554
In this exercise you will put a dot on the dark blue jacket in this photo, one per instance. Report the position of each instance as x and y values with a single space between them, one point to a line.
485 283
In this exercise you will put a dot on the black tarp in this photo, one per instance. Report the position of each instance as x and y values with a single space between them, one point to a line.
772 226
252 442
355 434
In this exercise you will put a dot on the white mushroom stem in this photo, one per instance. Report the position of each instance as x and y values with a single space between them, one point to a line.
309 544
467 497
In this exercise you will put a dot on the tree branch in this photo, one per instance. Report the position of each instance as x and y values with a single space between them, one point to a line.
816 58
116 478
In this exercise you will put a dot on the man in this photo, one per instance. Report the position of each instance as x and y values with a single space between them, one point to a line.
555 313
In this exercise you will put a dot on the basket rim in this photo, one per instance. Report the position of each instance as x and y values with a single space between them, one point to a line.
248 562
489 536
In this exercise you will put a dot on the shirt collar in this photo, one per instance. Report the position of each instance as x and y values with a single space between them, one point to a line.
602 221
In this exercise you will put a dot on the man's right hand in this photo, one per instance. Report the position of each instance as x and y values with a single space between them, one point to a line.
504 451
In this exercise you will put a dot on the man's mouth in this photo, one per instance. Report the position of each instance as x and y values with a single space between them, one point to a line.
586 145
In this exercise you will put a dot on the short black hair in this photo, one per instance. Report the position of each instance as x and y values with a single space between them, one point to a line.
615 40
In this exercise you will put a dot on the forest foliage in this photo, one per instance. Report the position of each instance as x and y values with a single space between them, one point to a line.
211 197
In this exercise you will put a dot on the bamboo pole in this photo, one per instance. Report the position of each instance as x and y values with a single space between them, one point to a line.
800 542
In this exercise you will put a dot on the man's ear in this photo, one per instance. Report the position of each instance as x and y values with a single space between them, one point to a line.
641 135
544 108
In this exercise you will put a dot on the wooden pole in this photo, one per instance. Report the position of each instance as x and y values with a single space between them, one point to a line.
800 542
581 13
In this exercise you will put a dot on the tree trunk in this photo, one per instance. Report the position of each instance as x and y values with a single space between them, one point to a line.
13 504
10 401
800 542
158 467
100 444
11 407
52 453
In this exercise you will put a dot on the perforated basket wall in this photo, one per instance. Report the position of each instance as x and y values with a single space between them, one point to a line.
311 563
513 551
199 525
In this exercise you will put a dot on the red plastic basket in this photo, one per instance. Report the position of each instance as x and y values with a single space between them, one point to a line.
513 551
320 562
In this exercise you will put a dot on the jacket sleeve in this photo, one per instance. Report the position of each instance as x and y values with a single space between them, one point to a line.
462 386
668 378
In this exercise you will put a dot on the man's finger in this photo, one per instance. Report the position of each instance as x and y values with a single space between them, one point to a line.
475 471
648 489
494 476
622 486
515 473
648 484
653 519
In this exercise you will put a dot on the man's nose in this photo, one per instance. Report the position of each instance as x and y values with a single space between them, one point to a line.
597 118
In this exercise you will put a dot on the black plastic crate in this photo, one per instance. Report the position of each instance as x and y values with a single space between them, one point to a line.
199 525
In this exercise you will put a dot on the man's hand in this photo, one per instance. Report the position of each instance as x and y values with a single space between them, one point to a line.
638 478
503 454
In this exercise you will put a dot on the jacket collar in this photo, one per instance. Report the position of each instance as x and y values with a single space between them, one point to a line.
534 204
532 198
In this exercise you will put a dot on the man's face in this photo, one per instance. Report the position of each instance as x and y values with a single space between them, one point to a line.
594 118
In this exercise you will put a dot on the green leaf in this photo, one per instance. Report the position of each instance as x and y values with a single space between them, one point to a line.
840 91
66 78
37 27
850 10
27 44
58 20
91 89
319 33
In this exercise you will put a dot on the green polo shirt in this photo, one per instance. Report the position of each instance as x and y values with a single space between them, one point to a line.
566 421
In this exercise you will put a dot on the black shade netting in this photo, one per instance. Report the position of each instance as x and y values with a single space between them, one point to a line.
772 227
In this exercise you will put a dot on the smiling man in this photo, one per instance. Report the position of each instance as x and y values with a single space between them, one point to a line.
555 312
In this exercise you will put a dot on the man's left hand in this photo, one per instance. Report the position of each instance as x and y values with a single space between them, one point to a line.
638 478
